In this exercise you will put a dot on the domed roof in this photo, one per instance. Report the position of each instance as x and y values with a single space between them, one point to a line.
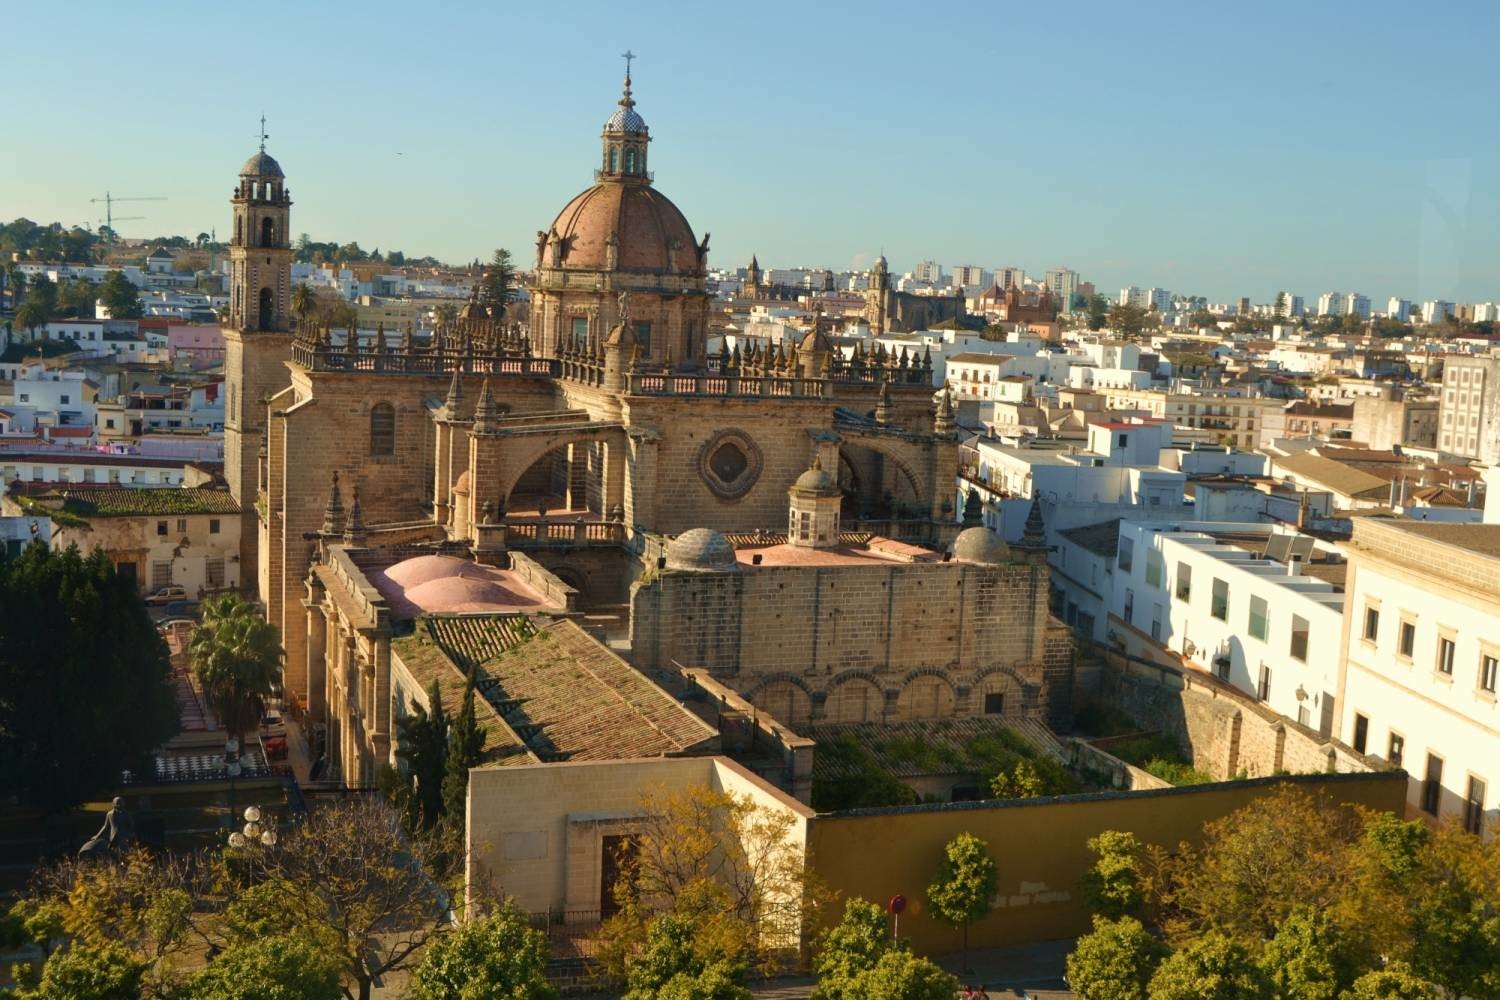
625 120
980 545
815 480
700 549
418 570
261 165
651 233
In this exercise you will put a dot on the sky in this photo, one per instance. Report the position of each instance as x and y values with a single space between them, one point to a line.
1213 149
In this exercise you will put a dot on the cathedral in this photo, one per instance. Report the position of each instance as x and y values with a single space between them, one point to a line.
388 478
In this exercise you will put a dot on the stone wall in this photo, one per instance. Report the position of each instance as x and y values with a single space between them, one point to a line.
558 593
1222 731
927 640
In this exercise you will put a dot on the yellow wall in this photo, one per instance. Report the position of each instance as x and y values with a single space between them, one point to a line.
1038 847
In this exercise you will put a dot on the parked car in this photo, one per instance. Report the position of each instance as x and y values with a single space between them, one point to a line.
271 723
167 595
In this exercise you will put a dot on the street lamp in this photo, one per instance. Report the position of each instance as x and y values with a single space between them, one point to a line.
254 831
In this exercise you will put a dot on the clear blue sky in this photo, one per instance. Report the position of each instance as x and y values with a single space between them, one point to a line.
1216 149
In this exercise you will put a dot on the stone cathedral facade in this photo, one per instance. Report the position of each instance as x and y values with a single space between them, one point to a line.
577 449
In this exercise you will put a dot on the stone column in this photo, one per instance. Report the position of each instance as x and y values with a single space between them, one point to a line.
317 667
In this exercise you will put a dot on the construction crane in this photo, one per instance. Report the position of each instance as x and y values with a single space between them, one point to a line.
109 209
105 223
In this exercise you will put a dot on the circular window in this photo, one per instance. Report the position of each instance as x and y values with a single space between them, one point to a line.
729 464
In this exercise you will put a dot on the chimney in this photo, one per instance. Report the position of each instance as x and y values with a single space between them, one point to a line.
1473 493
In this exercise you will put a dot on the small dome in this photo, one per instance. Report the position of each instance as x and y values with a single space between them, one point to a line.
700 549
625 120
261 165
815 480
418 570
980 545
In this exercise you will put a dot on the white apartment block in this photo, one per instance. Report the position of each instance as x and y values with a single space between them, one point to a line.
1235 600
1332 304
1159 299
1133 296
1357 304
1064 285
970 276
1422 654
1469 411
1436 310
1010 277
1216 418
1291 305
929 271
1486 312
1398 308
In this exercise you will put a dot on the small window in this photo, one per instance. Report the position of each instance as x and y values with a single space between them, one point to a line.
161 529
1372 623
1220 606
1361 732
994 703
1396 749
1259 626
1447 650
1129 606
1156 568
1474 806
1125 558
213 526
1184 582
1408 642
643 335
580 332
382 429
182 525
1489 666
1432 785
1263 687
65 400
1299 638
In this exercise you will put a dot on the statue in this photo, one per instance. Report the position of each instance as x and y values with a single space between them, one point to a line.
623 308
116 835
541 245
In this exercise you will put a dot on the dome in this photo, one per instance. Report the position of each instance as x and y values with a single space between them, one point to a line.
651 233
261 165
700 549
815 480
815 340
418 570
625 120
980 545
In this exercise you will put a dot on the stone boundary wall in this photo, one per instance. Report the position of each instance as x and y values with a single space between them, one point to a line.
1222 731
1125 777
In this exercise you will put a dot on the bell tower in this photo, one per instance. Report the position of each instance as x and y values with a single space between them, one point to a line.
257 336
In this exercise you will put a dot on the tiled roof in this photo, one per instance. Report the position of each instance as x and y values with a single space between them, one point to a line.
146 501
554 691
1481 538
1332 475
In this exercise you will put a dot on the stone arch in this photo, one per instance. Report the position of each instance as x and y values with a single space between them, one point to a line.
854 696
575 475
784 697
878 482
1003 682
926 694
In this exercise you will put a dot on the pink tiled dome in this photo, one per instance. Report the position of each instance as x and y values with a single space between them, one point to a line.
459 594
418 570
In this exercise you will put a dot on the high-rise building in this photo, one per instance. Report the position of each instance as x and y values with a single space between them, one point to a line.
1398 308
1010 277
1332 303
1357 304
928 270
1436 310
1132 296
1242 307
1064 285
1469 416
969 276
1486 312
1288 305
1159 299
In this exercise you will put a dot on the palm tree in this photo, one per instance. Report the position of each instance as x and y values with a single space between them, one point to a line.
236 657
31 314
303 302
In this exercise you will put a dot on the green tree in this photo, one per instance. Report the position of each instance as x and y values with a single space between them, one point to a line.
850 948
498 286
1212 967
964 886
236 657
83 973
1127 321
77 298
44 292
1202 319
1019 781
422 742
1281 304
497 957
85 688
1098 311
1303 960
1115 961
31 316
273 968
1112 885
304 302
901 974
679 961
465 743
1396 981
119 296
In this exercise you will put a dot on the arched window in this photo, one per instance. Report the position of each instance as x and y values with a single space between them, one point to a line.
239 230
267 233
614 159
382 429
630 161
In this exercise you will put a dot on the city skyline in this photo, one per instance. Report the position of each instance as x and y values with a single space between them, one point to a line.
1109 163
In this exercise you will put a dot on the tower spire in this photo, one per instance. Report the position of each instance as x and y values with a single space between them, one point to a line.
263 135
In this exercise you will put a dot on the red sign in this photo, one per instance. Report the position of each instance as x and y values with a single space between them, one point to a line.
897 904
